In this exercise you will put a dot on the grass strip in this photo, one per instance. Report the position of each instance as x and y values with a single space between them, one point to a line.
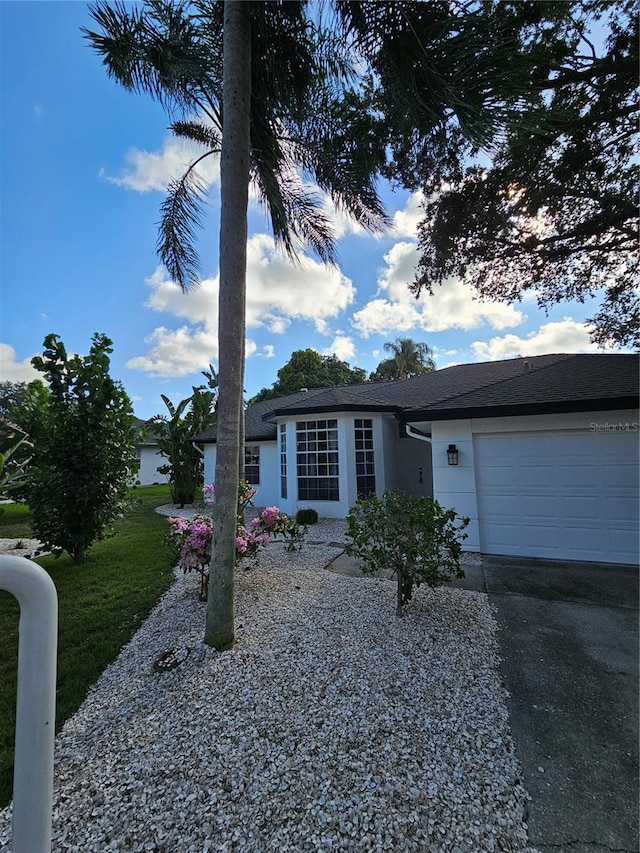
101 604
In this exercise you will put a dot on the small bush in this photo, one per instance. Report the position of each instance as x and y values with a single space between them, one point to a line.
307 516
415 537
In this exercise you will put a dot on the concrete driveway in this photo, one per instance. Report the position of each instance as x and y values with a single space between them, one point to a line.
569 644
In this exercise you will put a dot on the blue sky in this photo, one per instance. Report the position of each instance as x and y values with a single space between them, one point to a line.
83 170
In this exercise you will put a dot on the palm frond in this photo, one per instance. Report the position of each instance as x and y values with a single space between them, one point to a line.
200 133
181 215
154 49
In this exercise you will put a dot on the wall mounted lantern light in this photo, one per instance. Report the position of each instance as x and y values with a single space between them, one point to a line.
452 454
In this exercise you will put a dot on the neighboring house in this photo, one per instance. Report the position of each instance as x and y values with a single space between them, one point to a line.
149 459
543 451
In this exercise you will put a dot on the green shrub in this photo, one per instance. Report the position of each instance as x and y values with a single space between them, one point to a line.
306 516
83 449
414 536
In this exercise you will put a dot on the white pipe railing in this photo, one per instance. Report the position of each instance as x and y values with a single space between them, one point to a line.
36 702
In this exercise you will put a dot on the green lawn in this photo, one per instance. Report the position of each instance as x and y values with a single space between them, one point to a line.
101 604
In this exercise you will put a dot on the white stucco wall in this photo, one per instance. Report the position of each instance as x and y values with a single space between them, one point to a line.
397 464
269 487
150 461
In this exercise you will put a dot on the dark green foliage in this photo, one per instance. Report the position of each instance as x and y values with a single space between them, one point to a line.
415 537
308 369
554 210
173 436
408 359
100 608
306 516
83 449
15 455
21 412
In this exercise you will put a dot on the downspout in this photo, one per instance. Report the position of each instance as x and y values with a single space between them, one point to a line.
415 434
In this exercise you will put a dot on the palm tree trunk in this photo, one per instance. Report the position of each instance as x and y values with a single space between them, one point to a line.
234 194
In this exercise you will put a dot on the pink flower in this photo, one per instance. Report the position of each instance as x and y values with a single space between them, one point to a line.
270 515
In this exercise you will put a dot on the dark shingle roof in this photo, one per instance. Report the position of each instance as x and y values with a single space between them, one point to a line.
342 399
541 383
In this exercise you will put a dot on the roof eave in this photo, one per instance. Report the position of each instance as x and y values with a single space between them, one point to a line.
521 409
332 409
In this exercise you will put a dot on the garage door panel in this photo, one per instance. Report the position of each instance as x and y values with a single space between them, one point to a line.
537 506
499 476
625 539
571 495
578 508
621 509
536 476
622 478
572 476
514 535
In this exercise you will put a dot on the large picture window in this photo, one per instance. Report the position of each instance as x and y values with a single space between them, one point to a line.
252 464
365 462
317 460
283 460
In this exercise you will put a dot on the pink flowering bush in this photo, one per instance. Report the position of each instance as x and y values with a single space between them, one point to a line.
190 539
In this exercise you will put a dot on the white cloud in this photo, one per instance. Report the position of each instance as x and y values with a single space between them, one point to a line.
453 304
405 221
268 351
278 292
152 170
383 317
343 347
176 352
12 370
564 336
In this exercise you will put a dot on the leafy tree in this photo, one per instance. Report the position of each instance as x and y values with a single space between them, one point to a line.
308 369
420 541
21 411
549 205
83 449
15 455
12 397
408 359
174 435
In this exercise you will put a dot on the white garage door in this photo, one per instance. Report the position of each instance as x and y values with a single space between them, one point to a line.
559 495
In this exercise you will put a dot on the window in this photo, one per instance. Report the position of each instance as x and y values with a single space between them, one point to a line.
365 463
317 460
252 464
283 460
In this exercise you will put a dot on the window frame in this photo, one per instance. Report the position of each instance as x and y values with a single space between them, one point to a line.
318 460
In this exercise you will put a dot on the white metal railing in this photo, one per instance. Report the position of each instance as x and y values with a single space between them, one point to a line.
36 702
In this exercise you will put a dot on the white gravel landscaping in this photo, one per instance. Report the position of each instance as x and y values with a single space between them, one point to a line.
331 725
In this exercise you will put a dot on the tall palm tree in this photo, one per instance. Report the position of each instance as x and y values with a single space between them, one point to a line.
308 118
260 83
409 358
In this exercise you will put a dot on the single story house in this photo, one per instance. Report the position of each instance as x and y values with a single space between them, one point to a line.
540 453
